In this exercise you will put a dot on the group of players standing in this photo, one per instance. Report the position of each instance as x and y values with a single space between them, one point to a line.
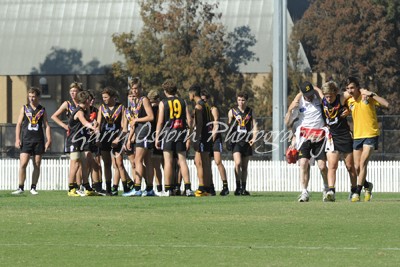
318 117
148 130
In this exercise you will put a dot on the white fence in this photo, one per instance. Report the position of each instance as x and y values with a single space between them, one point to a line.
263 176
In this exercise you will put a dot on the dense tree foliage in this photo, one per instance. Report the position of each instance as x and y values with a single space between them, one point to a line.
184 40
358 38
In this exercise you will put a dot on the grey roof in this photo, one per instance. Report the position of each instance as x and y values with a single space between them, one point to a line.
30 28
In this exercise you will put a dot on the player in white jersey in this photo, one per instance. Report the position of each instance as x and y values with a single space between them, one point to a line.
310 135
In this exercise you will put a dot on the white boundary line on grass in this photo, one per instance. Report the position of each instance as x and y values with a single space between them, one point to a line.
201 246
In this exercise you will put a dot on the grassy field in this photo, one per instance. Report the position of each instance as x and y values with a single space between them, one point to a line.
266 229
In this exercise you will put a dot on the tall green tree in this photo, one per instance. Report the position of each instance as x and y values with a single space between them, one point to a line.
350 37
185 40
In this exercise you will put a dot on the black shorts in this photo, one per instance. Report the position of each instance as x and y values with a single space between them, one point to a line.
157 152
204 147
178 146
107 146
217 146
35 148
94 149
144 143
308 149
131 151
243 148
343 143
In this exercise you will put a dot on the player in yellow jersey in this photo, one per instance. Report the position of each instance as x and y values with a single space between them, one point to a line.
362 104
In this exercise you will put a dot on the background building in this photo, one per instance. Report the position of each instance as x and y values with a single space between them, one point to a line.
63 41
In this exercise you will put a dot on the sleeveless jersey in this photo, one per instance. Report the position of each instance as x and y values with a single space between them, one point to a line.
337 125
207 126
310 113
78 137
32 124
242 123
111 118
174 118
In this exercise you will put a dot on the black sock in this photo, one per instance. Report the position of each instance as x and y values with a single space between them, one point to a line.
244 185
366 184
33 186
359 188
354 189
188 186
237 185
225 184
130 183
76 186
159 188
149 188
97 186
137 187
202 188
125 186
21 186
71 186
167 188
108 186
332 188
114 188
87 187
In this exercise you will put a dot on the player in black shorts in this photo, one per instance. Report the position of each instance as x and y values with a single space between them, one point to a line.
111 120
335 113
171 135
157 157
32 118
78 143
202 142
93 155
130 144
217 143
141 130
67 107
244 130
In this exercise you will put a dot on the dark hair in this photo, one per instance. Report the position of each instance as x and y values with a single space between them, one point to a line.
243 94
110 91
135 81
205 92
169 86
91 93
34 90
354 80
82 97
196 89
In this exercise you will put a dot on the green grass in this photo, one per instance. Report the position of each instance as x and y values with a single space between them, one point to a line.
266 229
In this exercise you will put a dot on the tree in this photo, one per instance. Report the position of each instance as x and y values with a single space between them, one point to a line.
184 40
63 61
349 37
